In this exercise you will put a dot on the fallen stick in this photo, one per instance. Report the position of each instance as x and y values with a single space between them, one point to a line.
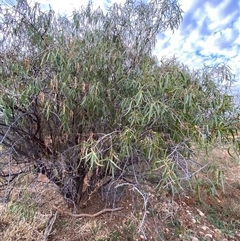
86 215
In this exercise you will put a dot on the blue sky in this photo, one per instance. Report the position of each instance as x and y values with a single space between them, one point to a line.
209 33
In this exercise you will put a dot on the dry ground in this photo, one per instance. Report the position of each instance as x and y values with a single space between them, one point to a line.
210 211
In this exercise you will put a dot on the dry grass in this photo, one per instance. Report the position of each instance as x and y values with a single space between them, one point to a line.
14 226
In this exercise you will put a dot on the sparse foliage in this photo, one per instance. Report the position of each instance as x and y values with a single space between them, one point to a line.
83 97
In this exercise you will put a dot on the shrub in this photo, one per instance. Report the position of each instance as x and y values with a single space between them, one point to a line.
83 97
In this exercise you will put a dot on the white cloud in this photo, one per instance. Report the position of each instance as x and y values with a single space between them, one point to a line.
187 5
209 34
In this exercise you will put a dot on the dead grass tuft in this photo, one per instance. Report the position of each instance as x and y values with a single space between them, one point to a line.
16 227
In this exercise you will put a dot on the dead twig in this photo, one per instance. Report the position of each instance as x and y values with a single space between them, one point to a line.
86 215
49 226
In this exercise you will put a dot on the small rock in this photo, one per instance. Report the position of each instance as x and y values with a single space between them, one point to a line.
187 211
195 239
193 220
204 228
166 230
209 236
142 237
200 213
